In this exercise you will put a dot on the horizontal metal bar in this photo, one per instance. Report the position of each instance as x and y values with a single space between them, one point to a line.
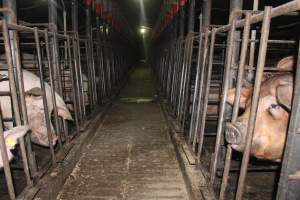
275 12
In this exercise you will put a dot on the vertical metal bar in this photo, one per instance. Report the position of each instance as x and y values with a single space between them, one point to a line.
75 15
252 45
52 84
206 93
243 57
191 19
46 110
75 100
206 12
76 77
4 155
254 103
287 188
15 53
221 120
201 86
196 89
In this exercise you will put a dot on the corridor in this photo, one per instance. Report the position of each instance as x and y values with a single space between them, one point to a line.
131 155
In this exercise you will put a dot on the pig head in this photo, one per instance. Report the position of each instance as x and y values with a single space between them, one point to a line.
272 116
35 108
11 139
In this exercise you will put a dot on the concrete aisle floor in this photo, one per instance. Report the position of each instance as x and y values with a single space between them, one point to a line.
131 155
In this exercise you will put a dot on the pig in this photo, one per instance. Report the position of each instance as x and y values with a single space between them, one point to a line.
35 108
11 139
272 115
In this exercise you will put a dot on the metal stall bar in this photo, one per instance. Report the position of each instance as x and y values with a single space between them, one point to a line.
74 91
14 99
52 84
196 89
186 96
201 86
228 60
12 85
58 78
79 82
254 103
289 182
7 171
43 94
206 92
242 63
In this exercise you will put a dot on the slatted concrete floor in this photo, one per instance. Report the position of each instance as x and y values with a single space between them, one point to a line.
131 155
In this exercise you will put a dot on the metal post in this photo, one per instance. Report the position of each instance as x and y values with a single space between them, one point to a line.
206 12
254 103
11 17
191 16
252 46
75 15
181 22
47 117
288 187
243 56
206 93
221 117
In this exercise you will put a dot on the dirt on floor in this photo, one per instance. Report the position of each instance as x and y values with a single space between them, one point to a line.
131 155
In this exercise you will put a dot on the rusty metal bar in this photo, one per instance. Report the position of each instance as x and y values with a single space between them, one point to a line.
46 110
206 93
7 171
221 117
201 87
254 103
52 84
13 91
72 73
243 57
277 11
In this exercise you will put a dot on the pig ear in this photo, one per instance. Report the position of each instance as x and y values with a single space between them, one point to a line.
34 92
62 108
286 64
246 92
284 95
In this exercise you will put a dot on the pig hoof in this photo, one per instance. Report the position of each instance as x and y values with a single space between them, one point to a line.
232 134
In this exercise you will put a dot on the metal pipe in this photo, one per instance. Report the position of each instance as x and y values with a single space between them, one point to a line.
52 12
222 105
201 86
206 92
196 89
243 57
206 12
74 15
76 110
191 19
4 155
181 22
254 103
252 45
52 84
277 11
43 91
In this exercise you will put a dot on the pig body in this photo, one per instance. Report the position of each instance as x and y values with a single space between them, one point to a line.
35 108
271 120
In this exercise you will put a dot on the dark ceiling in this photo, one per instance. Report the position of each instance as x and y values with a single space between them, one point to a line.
133 10
36 10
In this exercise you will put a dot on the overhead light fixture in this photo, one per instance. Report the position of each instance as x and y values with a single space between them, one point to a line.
143 30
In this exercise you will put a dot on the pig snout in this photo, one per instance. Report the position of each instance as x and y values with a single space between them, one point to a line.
235 133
